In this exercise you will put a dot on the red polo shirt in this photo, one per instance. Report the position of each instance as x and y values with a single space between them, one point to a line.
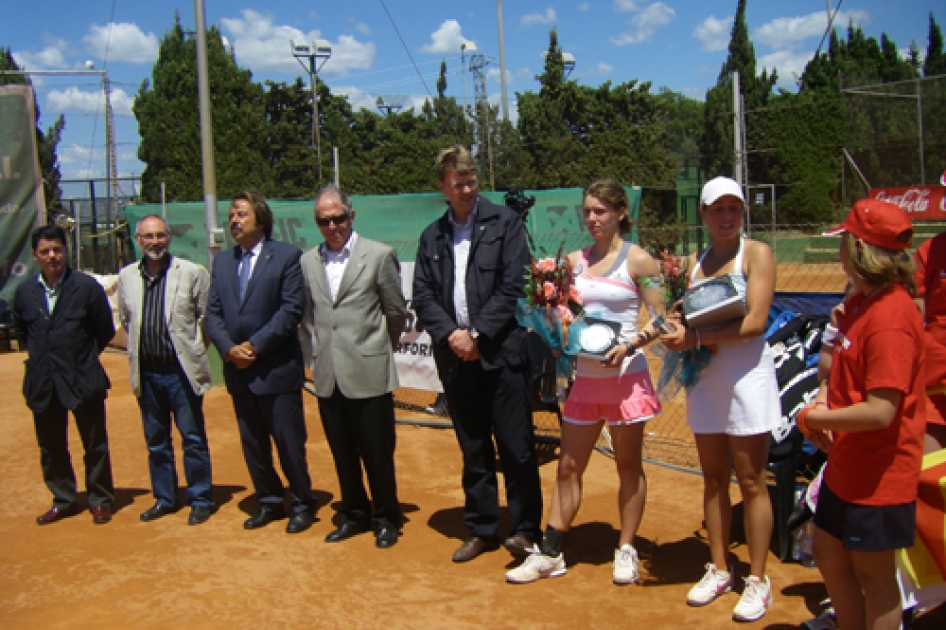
880 345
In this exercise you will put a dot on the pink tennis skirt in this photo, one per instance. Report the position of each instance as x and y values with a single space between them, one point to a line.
621 399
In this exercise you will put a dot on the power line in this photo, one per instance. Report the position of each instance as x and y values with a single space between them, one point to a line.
406 49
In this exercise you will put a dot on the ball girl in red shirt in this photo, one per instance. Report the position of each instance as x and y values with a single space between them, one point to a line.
870 420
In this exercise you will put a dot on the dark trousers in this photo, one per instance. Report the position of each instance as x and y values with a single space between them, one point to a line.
165 391
487 404
52 435
361 431
278 417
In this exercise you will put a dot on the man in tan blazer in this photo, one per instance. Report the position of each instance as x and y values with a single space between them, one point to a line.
353 289
161 303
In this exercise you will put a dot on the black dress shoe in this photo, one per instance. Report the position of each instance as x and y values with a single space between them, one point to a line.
300 522
155 512
386 537
346 530
199 515
264 517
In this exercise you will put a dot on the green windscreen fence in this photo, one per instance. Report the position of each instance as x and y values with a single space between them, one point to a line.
396 220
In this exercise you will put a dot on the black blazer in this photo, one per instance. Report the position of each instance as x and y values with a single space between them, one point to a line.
63 348
268 318
494 283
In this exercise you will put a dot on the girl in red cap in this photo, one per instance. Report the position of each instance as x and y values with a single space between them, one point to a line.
870 420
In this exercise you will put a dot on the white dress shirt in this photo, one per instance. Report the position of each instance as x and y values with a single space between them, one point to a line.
250 260
335 263
462 240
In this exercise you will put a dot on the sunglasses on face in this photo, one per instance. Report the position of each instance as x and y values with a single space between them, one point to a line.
338 219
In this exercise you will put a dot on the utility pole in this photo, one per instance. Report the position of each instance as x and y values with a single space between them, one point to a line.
465 46
214 234
317 54
504 105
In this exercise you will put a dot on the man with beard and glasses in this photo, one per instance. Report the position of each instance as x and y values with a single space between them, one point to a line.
257 299
161 302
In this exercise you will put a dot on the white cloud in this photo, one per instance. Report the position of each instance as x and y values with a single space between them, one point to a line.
359 99
790 32
446 39
262 45
584 6
75 99
625 5
604 69
493 75
363 28
122 41
714 33
645 22
789 63
548 17
52 57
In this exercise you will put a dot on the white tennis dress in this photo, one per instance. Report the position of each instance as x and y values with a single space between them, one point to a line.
737 393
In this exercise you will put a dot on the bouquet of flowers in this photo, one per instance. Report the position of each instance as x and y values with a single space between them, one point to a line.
679 369
552 307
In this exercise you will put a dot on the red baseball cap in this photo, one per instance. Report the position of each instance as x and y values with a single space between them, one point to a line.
877 222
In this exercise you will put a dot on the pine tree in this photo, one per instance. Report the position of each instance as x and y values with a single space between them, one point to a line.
716 142
168 122
935 62
46 143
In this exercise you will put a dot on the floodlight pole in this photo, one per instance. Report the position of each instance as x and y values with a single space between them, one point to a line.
315 54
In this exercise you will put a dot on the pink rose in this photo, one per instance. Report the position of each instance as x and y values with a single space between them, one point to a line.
564 314
574 295
548 290
546 265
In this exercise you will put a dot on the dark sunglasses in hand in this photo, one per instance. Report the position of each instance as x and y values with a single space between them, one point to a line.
338 219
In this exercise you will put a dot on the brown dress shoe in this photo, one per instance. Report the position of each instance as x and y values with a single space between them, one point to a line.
519 545
101 514
54 514
472 547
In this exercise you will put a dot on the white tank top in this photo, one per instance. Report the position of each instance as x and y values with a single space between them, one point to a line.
612 296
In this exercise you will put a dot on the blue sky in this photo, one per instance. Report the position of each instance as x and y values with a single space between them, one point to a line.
680 44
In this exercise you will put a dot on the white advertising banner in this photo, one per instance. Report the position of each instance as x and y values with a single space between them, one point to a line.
414 356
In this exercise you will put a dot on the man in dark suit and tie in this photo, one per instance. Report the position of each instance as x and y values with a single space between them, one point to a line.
468 275
254 308
64 320
354 290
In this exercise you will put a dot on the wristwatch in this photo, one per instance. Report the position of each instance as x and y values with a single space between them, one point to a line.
474 333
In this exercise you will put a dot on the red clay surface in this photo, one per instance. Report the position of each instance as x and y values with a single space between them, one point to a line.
164 574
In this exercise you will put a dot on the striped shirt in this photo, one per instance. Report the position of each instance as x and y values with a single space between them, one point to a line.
155 340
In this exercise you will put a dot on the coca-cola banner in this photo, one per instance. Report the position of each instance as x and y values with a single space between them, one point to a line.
920 202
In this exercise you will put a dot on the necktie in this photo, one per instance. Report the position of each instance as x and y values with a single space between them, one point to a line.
245 267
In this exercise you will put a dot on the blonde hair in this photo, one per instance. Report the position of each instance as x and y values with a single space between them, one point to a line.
612 193
875 266
454 158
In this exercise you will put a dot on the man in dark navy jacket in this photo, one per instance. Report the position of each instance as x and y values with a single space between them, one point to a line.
65 322
257 299
468 275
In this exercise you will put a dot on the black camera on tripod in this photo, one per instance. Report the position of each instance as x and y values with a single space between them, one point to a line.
517 200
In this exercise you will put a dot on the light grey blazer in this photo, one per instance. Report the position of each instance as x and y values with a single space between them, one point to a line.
185 298
354 336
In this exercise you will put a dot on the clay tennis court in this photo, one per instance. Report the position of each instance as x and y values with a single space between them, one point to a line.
164 574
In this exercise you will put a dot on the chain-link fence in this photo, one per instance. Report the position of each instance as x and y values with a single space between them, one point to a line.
894 135
806 263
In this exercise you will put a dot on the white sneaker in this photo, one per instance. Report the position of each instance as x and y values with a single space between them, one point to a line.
756 598
713 584
536 566
625 565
